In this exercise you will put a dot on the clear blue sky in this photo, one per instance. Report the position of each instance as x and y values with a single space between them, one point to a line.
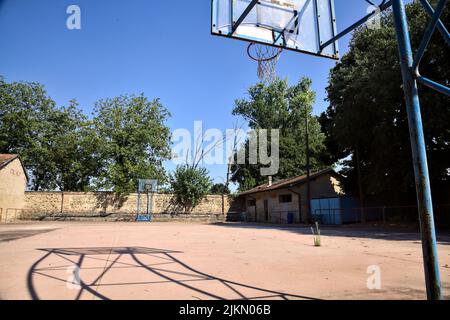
161 48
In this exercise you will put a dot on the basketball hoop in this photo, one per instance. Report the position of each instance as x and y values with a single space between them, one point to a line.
267 58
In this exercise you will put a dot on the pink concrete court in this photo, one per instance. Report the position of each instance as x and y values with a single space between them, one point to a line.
196 261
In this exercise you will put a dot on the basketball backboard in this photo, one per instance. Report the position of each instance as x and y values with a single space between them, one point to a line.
299 25
147 185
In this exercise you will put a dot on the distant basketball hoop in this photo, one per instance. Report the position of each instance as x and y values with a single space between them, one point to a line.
148 188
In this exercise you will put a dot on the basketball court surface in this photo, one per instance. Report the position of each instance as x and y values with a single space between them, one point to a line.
199 261
309 26
240 261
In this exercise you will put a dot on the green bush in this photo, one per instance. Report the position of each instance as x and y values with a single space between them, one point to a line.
316 235
190 185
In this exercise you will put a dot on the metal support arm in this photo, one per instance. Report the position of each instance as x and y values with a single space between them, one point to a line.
442 29
341 34
434 85
428 33
244 15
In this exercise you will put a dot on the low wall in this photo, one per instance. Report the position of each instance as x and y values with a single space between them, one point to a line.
107 206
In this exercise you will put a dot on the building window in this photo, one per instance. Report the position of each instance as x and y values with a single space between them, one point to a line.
251 203
285 198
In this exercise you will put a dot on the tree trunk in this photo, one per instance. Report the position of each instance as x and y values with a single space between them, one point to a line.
361 193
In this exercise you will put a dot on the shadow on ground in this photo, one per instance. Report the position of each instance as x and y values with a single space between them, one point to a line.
348 231
12 235
193 280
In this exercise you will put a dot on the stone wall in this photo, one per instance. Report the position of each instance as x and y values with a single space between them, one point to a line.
102 205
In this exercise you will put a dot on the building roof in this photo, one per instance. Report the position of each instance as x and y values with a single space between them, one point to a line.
6 159
290 182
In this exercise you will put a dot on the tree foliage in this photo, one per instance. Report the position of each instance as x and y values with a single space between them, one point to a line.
190 185
69 146
63 150
53 142
135 141
280 106
367 114
219 189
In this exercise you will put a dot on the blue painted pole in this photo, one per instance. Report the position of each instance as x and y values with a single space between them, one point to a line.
429 33
434 85
442 29
424 201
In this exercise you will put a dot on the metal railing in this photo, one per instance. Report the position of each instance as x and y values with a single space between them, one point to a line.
327 216
285 217
274 217
382 214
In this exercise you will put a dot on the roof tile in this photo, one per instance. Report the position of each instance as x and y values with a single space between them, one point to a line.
6 158
287 182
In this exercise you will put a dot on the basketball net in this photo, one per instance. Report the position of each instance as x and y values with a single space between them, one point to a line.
267 58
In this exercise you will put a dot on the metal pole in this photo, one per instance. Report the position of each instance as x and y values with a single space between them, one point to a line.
441 27
308 170
148 203
361 193
138 204
151 205
423 189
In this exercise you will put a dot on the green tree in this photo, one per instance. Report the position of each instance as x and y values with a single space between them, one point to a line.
280 106
71 150
366 122
54 143
220 188
135 141
24 112
190 185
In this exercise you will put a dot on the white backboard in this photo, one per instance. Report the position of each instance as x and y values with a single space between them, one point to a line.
299 25
147 185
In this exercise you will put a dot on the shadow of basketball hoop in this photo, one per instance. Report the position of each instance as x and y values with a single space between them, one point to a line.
164 269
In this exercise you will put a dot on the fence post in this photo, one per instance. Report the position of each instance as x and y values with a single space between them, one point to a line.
62 202
223 204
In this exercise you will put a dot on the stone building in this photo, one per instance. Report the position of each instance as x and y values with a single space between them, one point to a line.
285 201
13 182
